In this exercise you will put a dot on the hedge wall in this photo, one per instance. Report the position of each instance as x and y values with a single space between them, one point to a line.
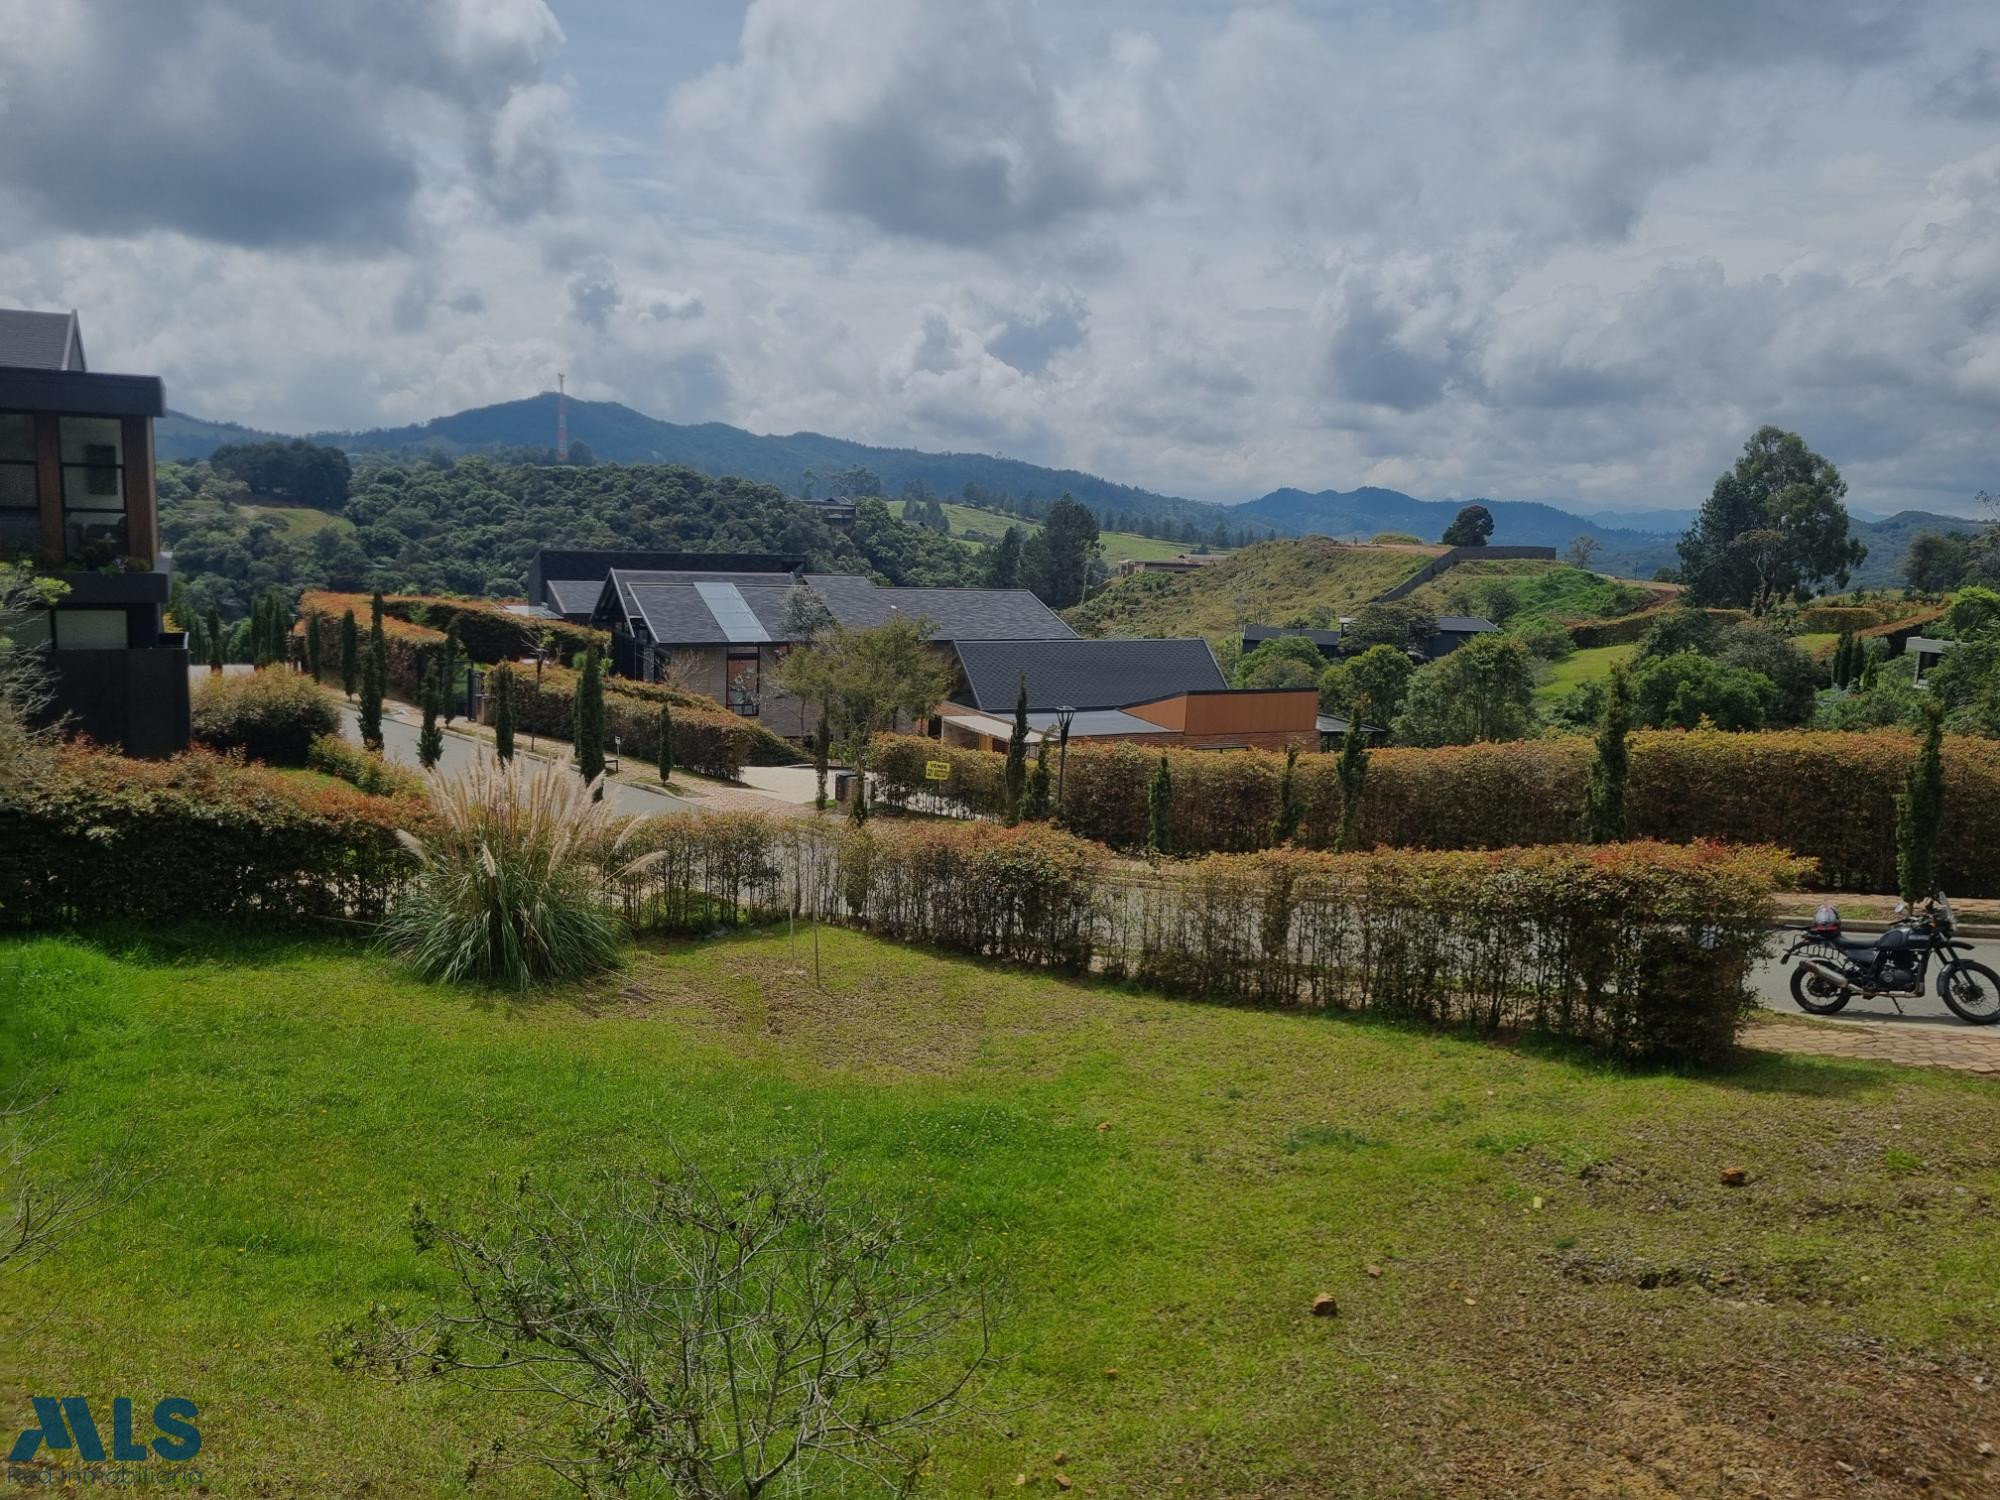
1640 950
487 632
199 836
1828 795
707 739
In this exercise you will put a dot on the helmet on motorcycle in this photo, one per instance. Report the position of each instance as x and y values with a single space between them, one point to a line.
1826 919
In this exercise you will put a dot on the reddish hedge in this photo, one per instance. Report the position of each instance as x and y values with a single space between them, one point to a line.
707 739
199 836
486 630
1828 795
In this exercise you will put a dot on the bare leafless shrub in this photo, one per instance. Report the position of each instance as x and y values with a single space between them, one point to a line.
693 1339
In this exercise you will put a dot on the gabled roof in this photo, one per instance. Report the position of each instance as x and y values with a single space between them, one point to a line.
41 341
1085 674
1464 625
1261 633
953 614
572 596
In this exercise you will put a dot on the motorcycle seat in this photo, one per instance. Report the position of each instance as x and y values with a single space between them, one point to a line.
1864 943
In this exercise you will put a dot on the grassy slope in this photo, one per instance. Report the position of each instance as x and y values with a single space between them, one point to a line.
1271 583
297 522
1579 667
1569 1303
1551 590
975 528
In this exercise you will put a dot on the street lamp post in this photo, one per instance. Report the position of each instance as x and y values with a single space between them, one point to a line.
1065 716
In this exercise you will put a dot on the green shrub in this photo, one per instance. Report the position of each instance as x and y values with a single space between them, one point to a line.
99 836
510 884
333 756
272 716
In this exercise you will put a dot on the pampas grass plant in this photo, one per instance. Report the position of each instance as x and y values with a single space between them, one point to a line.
511 881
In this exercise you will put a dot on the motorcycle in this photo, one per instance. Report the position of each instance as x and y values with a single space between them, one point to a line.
1833 969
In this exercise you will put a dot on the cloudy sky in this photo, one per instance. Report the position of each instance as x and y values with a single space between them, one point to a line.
1533 249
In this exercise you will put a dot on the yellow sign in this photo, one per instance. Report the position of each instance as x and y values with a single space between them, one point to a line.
937 770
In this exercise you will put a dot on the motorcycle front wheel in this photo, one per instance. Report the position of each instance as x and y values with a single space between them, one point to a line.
1815 995
1972 991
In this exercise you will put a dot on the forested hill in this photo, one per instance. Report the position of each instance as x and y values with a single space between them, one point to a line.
617 434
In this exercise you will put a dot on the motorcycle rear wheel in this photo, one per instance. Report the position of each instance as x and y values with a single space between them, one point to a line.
1815 996
1972 991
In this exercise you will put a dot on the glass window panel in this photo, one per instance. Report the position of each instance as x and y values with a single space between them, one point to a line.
93 539
17 486
17 435
93 487
90 630
20 531
84 440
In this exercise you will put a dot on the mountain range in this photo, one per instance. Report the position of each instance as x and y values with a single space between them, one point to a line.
1633 544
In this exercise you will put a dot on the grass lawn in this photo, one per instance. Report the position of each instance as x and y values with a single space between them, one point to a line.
1569 1303
297 522
1580 667
1817 642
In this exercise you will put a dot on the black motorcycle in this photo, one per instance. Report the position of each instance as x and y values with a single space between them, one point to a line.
1833 969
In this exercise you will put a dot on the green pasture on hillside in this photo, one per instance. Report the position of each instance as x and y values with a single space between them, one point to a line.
976 528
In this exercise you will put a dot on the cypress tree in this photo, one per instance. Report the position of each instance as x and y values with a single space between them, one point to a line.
1160 812
374 680
313 646
1286 826
666 743
449 674
857 801
214 641
1352 773
1035 801
430 739
1920 811
350 654
1017 753
589 726
1604 796
819 760
503 713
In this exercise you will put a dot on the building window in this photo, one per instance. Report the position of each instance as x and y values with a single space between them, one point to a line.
743 684
90 630
20 497
93 489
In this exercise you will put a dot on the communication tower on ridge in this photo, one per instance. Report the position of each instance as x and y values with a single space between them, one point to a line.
562 421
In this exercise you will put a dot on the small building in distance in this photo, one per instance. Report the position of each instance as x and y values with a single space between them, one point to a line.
1151 692
77 499
564 582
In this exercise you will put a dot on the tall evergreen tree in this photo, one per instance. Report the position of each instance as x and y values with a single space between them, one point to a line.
821 735
350 654
1017 753
1160 812
588 732
430 739
1003 563
214 640
1920 810
449 676
503 712
1604 795
1035 800
666 742
313 646
1773 525
1286 826
374 680
1352 773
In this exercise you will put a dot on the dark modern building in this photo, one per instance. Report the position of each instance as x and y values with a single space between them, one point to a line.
1452 632
564 582
77 500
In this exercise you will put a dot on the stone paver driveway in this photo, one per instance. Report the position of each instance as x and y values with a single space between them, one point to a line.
1913 1044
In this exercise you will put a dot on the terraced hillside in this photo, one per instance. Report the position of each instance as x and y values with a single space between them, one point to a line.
1307 581
975 528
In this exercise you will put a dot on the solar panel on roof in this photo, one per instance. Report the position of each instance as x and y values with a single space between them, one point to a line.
732 612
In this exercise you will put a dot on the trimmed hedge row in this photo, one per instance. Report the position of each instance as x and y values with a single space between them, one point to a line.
707 739
1828 795
1640 950
486 631
272 715
333 756
201 836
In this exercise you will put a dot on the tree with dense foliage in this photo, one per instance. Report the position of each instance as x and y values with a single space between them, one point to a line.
296 470
1973 609
451 674
1035 797
1937 561
1920 812
313 648
374 678
1160 811
1369 686
430 738
865 682
1484 690
1017 750
215 639
1398 624
1757 646
587 730
1604 793
1471 527
1682 690
666 743
502 682
1773 527
1286 661
1056 560
350 654
1003 560
26 684
1352 773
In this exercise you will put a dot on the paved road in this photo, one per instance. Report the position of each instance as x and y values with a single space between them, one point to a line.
399 744
1773 985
